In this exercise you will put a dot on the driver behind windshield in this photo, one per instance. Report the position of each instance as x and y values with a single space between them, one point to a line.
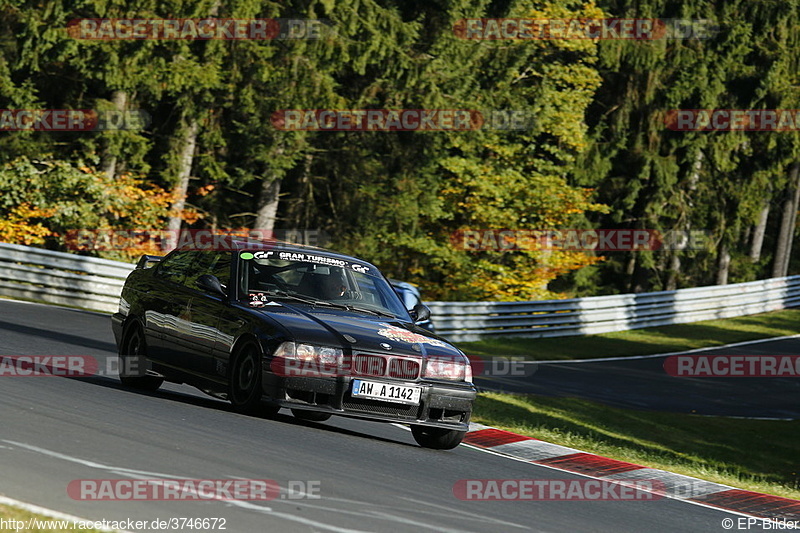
332 286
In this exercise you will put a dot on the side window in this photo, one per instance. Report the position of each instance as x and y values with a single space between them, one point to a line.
175 267
221 267
200 264
186 267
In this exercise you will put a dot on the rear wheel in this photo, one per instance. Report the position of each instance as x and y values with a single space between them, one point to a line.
311 416
437 438
245 383
132 363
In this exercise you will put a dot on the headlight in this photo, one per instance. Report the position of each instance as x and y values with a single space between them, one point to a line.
307 359
455 368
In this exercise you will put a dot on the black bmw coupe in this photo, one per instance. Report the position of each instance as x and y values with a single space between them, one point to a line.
270 325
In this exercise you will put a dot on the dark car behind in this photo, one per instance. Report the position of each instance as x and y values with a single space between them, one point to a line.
410 296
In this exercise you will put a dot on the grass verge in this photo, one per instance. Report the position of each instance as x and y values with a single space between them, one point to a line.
757 455
33 522
643 341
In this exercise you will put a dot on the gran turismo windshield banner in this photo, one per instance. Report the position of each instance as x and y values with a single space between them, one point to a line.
303 257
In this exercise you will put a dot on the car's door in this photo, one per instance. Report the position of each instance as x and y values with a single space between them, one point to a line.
208 309
167 306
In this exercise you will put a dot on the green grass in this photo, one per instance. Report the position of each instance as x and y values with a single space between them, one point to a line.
642 341
14 513
757 455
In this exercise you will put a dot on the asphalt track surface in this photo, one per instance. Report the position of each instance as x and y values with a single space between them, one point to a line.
370 476
642 383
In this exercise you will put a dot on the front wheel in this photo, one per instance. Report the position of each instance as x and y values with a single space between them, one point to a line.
437 438
245 383
132 363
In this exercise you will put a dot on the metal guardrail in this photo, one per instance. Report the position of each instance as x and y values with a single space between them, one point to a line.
468 321
68 279
61 278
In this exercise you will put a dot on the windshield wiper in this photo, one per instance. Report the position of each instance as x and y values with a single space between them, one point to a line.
314 301
373 311
307 299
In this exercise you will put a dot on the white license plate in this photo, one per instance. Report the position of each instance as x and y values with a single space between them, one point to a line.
375 390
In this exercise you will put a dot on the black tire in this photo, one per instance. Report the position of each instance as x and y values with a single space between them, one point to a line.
437 438
134 350
311 416
244 389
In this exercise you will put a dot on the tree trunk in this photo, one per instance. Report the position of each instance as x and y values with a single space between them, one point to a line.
674 270
637 274
759 230
108 163
783 248
268 205
675 263
630 268
268 200
793 222
184 173
723 265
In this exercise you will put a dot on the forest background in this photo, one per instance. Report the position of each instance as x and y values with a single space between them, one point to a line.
598 154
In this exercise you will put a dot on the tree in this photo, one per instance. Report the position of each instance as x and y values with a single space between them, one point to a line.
45 200
718 182
402 196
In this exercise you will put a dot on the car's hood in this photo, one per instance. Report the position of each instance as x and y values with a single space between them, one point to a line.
361 331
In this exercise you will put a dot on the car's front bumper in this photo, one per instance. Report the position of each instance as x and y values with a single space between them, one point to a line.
442 405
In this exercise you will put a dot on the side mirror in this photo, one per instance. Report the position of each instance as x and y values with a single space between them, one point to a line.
420 313
211 285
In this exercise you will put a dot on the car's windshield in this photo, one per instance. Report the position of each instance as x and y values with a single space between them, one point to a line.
316 278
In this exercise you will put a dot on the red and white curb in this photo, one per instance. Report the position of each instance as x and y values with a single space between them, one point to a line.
675 486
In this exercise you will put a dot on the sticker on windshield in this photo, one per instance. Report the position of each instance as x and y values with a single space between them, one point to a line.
400 334
309 258
259 299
